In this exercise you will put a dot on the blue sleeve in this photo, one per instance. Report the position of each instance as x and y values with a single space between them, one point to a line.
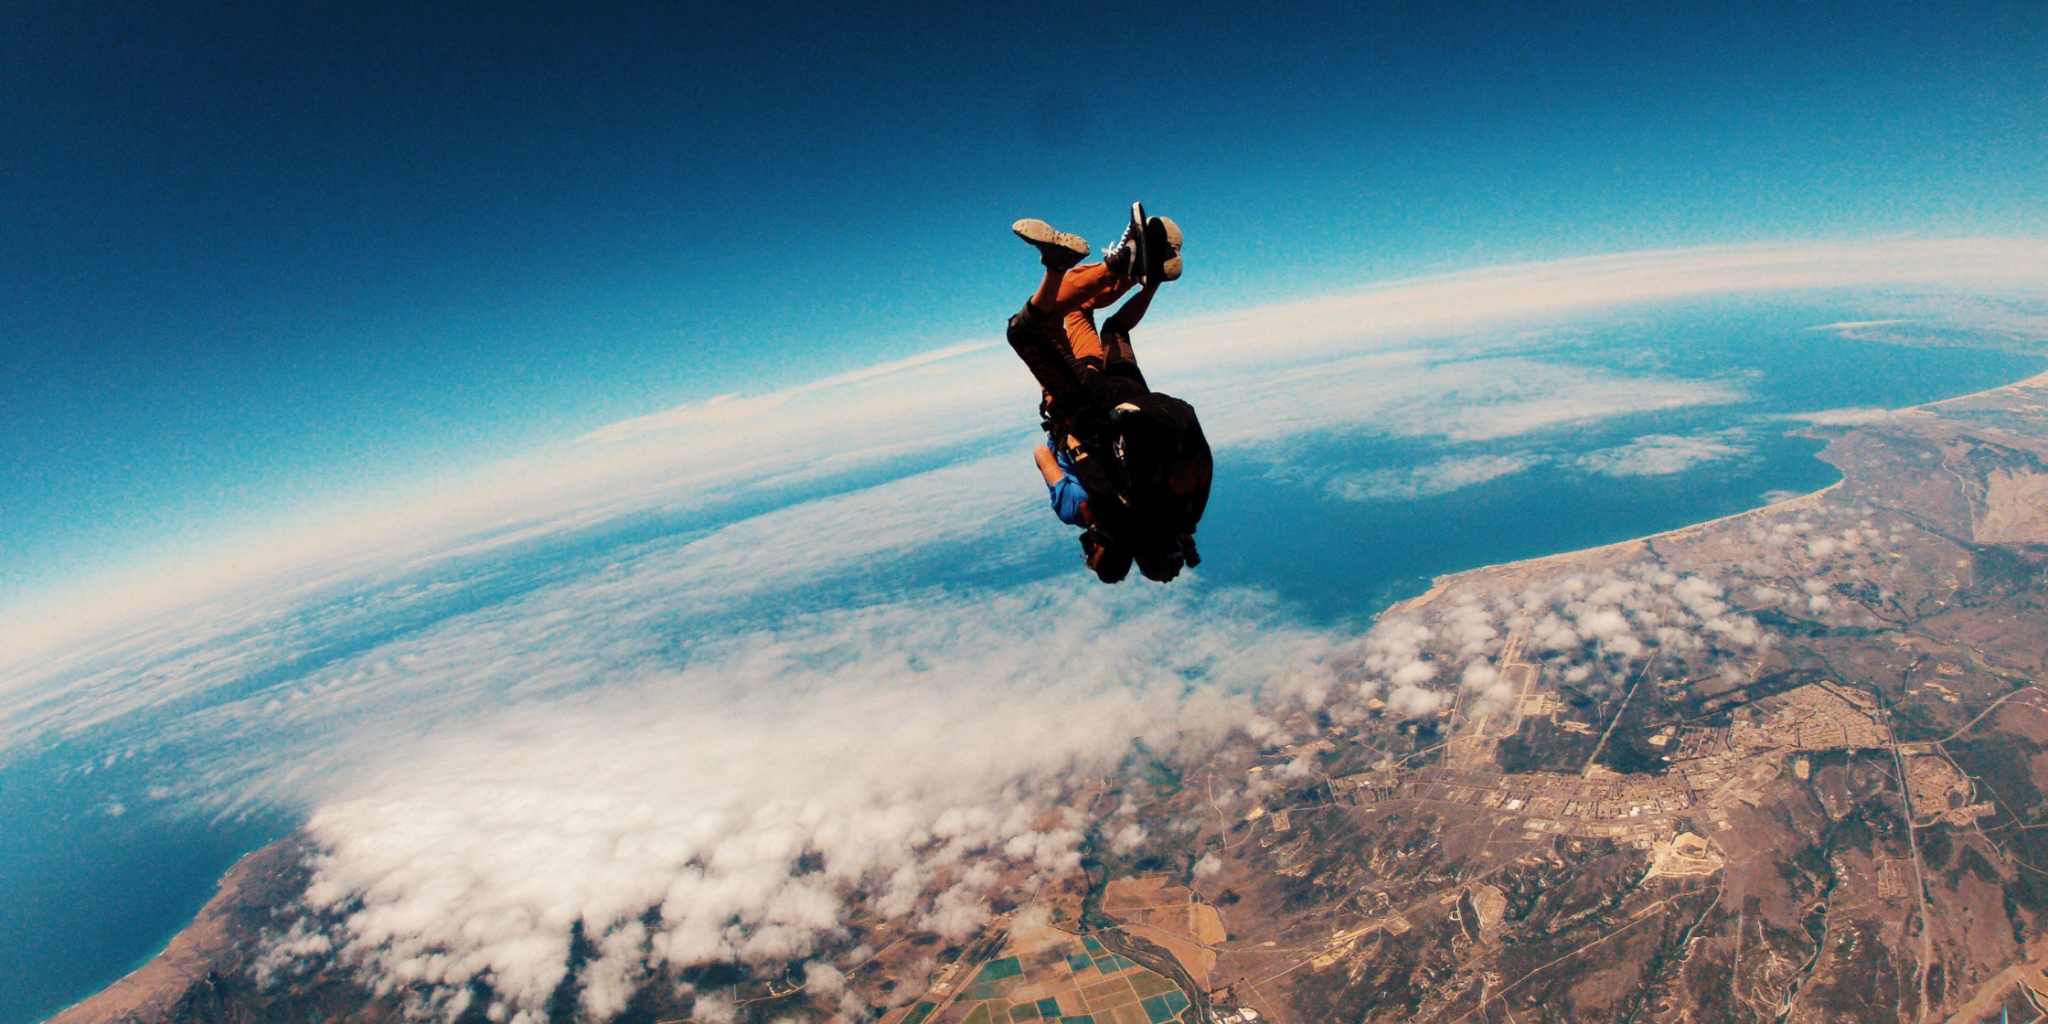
1067 494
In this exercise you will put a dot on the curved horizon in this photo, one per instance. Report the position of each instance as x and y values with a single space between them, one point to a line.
621 468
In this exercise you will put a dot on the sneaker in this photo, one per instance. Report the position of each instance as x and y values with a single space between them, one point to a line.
1162 244
1127 257
1056 249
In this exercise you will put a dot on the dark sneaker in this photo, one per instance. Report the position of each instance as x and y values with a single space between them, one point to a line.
1127 257
1162 245
1056 249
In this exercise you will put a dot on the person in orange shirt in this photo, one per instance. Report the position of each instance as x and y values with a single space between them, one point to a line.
1081 290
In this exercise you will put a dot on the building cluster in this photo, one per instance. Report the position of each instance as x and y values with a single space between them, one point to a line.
1712 769
1941 792
1346 941
1598 805
1726 765
1893 877
1687 854
1817 716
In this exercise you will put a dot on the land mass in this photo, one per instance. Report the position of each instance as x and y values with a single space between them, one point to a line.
1783 766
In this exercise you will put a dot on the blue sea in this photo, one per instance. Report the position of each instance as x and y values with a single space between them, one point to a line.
93 883
1348 560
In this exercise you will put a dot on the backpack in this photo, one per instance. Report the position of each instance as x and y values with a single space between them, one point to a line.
1148 472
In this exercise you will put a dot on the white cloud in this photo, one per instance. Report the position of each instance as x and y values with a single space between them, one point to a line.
1398 313
1127 839
1484 689
1426 481
1847 326
1663 454
1474 394
1851 417
917 748
988 504
730 408
1599 625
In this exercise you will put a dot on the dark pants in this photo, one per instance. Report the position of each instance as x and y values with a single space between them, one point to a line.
1078 388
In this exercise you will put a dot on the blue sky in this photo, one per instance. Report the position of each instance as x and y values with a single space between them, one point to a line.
258 257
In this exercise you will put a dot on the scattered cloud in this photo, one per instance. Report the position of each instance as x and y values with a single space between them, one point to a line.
1850 417
1481 397
1663 454
1595 627
1854 325
1426 481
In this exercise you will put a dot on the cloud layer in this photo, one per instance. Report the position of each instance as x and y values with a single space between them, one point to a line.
918 751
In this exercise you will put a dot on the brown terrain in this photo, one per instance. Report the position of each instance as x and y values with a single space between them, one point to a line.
185 980
1840 819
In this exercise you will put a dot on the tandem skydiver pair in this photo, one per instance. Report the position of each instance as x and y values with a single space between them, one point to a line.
1127 464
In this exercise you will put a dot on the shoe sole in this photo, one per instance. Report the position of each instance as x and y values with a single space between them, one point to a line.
1140 262
1042 235
1169 268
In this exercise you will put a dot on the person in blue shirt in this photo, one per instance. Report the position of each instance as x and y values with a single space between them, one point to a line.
1069 498
1126 464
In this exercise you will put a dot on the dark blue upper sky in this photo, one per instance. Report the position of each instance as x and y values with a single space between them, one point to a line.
260 255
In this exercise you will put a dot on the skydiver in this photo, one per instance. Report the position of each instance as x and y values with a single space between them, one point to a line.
1127 464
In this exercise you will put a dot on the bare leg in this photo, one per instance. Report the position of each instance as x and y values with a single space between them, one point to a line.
1048 466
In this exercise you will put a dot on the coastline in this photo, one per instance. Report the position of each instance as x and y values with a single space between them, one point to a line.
1439 583
247 892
